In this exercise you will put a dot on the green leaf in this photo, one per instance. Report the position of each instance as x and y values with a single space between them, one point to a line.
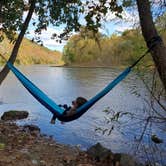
2 146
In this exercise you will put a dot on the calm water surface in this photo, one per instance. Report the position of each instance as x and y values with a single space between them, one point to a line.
65 84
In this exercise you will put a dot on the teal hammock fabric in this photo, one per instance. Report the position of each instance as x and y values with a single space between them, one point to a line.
52 106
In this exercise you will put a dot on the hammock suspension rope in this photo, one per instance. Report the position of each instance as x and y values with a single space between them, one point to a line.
54 108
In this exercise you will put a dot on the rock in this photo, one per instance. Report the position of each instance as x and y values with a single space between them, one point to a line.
156 139
42 162
24 151
99 153
31 128
125 159
85 165
34 162
14 115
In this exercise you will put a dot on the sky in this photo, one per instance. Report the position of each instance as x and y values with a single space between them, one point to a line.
109 26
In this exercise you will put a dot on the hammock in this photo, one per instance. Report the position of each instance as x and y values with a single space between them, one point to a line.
53 107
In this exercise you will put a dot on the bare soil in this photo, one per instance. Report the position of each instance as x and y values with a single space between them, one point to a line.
21 147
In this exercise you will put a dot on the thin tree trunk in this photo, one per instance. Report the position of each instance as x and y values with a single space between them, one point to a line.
0 12
149 31
14 53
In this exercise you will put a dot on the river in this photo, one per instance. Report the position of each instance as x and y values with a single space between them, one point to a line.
65 84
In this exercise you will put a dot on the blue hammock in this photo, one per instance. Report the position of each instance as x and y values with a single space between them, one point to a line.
52 106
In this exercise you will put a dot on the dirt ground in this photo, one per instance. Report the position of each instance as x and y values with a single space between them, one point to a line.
22 147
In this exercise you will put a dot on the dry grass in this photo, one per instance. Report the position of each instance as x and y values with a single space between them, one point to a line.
31 53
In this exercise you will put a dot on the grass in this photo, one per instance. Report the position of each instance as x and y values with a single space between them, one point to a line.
31 53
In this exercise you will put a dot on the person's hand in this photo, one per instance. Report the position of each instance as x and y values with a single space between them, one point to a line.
52 121
65 106
62 122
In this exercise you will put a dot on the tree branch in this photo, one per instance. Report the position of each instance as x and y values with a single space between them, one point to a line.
4 72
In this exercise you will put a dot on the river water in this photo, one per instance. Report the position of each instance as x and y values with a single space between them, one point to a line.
65 84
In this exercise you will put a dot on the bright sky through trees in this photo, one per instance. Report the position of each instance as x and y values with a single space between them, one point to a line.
110 25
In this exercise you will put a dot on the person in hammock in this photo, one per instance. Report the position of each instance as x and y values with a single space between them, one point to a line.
70 110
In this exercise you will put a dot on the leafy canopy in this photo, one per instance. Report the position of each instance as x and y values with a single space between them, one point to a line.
11 13
70 14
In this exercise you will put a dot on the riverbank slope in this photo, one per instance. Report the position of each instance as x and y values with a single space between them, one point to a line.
31 53
25 145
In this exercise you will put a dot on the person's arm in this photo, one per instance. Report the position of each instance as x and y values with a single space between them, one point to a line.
53 119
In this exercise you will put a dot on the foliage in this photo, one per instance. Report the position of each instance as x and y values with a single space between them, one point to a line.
84 47
111 51
30 53
160 22
57 13
69 15
89 48
11 13
145 127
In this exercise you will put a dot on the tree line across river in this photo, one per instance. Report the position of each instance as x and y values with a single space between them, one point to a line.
89 49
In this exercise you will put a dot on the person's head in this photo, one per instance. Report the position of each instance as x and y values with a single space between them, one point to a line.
79 102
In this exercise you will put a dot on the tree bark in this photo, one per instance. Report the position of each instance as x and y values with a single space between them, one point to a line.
1 3
4 72
149 31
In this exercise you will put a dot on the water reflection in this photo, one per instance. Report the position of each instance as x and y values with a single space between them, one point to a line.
65 84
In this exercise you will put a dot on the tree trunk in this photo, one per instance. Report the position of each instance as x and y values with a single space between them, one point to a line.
149 31
1 3
13 56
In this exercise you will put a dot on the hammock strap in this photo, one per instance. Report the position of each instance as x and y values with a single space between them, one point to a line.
151 43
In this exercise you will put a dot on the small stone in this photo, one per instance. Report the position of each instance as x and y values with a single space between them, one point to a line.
98 152
13 157
34 162
31 128
24 151
14 115
125 159
85 165
43 163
